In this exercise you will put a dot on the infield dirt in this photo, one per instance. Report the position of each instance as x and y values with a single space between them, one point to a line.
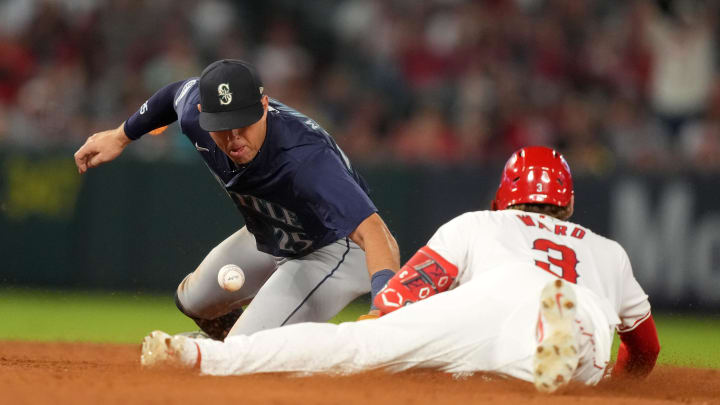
104 374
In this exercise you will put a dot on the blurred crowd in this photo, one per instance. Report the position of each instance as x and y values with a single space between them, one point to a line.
611 83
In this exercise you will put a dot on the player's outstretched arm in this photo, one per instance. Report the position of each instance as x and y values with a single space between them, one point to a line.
380 247
381 252
156 113
100 148
638 351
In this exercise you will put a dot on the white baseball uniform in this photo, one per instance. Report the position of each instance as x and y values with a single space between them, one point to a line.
486 322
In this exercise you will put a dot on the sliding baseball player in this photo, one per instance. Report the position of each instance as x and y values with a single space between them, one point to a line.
517 290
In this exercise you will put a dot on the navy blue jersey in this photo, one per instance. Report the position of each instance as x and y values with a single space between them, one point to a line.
300 192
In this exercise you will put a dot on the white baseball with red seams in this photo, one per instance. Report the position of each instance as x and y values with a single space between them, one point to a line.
231 277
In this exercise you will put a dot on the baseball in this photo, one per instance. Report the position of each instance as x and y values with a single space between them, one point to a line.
231 277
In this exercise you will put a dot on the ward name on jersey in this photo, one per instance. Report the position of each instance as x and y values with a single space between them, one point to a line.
560 230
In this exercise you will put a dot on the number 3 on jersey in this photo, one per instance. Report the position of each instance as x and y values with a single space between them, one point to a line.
563 267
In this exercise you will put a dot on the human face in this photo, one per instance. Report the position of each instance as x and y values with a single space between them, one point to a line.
243 144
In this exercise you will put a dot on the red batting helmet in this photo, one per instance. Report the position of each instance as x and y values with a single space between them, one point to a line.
534 175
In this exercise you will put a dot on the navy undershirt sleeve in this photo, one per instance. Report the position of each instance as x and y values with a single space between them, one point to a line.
156 112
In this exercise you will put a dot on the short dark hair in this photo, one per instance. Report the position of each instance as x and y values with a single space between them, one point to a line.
562 213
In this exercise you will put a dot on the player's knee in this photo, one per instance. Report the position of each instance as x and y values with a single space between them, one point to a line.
194 309
193 295
184 301
180 306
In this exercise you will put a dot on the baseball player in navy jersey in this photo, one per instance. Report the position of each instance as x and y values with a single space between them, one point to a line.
312 241
517 290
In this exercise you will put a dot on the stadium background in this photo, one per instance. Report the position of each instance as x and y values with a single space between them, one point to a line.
427 98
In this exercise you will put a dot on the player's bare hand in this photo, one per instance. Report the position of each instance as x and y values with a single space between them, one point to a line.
100 148
373 314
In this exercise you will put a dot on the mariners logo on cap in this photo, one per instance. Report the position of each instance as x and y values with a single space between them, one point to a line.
224 93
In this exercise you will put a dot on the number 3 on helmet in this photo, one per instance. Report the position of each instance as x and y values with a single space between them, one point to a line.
534 175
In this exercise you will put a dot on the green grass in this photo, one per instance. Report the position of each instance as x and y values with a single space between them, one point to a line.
97 317
81 316
689 340
125 318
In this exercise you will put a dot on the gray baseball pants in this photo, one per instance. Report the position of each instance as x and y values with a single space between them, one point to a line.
280 291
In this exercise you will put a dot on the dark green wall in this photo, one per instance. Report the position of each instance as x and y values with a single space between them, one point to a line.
136 225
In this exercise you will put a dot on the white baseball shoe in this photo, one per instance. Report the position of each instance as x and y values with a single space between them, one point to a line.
161 349
558 351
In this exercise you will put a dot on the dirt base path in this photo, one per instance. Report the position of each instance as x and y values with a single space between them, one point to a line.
103 374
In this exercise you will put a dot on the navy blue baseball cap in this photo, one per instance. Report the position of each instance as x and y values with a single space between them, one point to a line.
230 95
